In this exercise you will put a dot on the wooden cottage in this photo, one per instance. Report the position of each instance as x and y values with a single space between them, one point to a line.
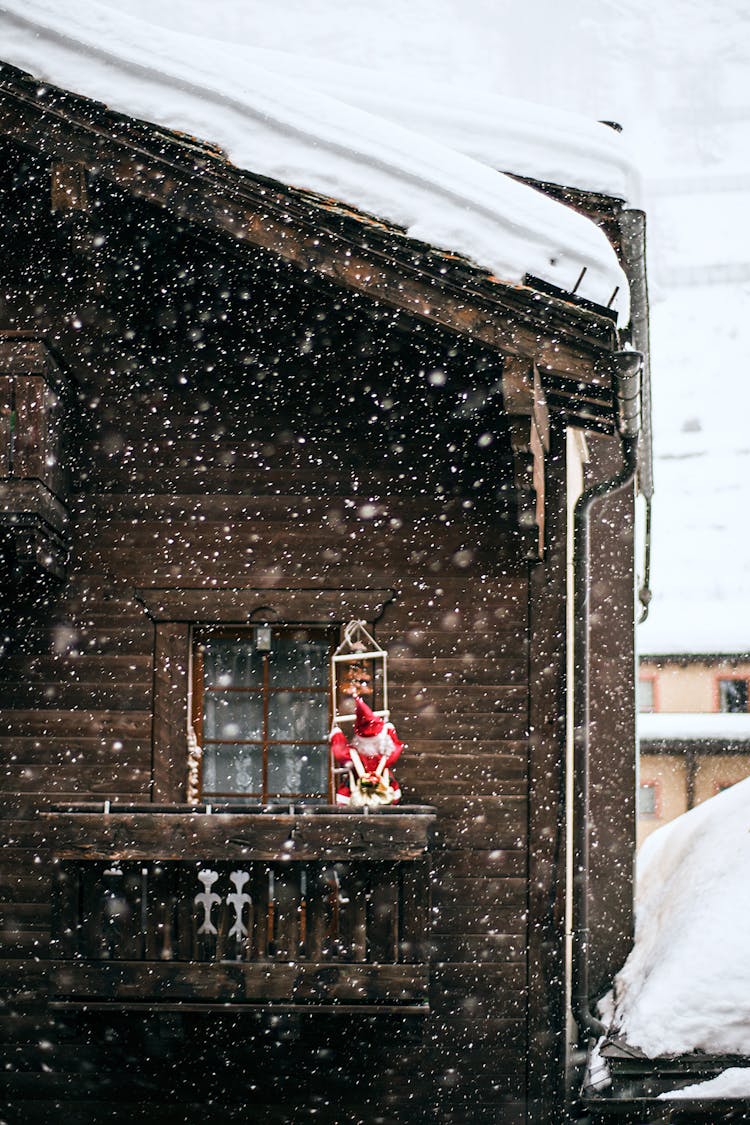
235 417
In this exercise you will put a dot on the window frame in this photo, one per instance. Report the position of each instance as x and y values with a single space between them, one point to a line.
197 696
652 678
720 678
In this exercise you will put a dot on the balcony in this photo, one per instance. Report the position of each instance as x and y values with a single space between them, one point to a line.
231 907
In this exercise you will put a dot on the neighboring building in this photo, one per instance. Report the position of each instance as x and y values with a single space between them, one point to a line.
694 732
236 416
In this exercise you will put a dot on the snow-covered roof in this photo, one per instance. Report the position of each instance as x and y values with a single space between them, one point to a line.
702 727
686 984
271 117
544 143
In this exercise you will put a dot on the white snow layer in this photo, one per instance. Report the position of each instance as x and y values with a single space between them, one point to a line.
686 984
731 1083
700 338
274 123
705 619
698 725
506 133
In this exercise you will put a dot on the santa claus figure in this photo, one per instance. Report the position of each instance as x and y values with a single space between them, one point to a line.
368 754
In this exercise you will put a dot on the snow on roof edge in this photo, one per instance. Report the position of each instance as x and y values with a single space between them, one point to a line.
684 726
523 138
302 138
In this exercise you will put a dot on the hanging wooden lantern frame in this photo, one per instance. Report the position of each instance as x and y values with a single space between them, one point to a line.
358 646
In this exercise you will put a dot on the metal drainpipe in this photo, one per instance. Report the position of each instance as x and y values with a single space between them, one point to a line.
627 393
632 224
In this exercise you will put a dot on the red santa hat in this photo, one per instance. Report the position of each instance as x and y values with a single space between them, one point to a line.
366 723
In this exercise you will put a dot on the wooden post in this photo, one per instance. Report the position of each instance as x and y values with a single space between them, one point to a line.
7 424
169 750
547 808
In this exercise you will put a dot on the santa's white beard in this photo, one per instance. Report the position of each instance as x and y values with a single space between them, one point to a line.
375 746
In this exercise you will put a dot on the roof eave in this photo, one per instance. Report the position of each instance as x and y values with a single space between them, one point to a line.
571 345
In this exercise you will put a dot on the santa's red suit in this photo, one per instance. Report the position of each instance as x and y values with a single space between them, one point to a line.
377 745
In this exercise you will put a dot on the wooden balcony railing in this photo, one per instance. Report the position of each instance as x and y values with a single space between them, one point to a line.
190 910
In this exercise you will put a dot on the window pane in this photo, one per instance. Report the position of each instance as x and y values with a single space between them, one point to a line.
297 716
298 770
646 800
232 663
232 769
645 696
733 695
298 661
274 699
233 715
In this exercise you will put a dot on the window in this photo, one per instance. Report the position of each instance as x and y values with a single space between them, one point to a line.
648 803
261 713
184 617
647 694
732 695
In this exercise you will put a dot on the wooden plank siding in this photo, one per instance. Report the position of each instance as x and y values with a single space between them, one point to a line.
78 686
79 727
250 429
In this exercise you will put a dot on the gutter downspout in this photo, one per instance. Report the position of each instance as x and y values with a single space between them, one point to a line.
632 224
629 366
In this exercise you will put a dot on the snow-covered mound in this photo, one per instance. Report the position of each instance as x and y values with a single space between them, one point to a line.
686 984
268 120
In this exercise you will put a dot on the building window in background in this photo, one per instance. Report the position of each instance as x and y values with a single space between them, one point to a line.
648 799
733 695
647 694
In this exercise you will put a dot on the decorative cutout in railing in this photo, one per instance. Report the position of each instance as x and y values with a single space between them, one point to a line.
372 913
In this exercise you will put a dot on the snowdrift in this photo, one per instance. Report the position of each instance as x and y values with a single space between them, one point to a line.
686 985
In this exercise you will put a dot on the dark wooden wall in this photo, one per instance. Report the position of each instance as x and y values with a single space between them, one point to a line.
235 426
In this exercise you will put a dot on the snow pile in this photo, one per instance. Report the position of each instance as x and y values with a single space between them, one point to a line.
259 109
731 1083
698 725
686 984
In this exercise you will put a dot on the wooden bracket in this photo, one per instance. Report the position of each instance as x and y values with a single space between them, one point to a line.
68 187
528 426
